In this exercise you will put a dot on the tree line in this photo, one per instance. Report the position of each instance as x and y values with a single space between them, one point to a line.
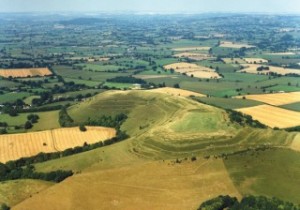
248 203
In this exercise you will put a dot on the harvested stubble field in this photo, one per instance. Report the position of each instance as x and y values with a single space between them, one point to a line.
193 56
273 116
31 72
235 45
252 69
15 146
282 53
177 92
275 99
193 69
233 60
255 60
194 48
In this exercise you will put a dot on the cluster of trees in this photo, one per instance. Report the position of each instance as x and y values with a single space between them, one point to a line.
293 129
31 119
262 68
247 203
11 171
64 118
243 119
108 121
127 80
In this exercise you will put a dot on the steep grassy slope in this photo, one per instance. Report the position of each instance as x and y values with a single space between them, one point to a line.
271 173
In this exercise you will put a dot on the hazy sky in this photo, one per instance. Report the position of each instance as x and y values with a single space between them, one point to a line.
169 6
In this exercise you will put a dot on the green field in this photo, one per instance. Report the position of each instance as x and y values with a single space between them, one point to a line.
293 106
229 103
269 173
13 96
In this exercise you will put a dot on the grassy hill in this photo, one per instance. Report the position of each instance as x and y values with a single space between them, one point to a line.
162 164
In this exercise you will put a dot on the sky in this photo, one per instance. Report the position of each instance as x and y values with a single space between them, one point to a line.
155 6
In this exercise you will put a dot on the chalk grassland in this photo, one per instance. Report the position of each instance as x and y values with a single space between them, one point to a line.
152 185
193 69
235 45
255 60
25 72
176 92
15 191
15 146
273 116
194 48
275 99
252 69
193 56
272 172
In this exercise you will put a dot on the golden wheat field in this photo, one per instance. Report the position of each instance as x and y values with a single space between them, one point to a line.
275 99
31 72
273 116
252 69
235 45
15 146
194 70
176 92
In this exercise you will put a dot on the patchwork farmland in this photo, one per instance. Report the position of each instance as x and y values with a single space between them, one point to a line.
193 70
254 69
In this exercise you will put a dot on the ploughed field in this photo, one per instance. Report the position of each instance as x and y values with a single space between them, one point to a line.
29 72
15 146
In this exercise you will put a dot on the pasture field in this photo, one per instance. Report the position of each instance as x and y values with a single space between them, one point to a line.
235 45
252 69
266 172
15 146
29 99
7 84
193 70
275 99
192 48
19 73
273 116
292 106
13 96
229 103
